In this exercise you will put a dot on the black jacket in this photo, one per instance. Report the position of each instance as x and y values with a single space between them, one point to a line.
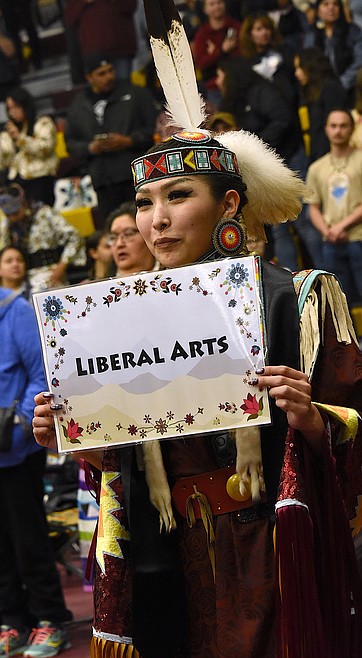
131 111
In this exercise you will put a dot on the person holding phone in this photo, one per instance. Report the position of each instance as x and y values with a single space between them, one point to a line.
108 124
217 38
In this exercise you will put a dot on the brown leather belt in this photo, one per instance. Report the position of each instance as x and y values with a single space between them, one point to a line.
212 486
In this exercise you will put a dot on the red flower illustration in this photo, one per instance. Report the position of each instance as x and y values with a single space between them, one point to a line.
72 432
252 406
189 419
132 430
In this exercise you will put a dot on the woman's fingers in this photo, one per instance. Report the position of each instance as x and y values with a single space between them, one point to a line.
43 421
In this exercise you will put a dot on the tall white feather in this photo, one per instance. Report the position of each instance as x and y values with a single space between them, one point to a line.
185 107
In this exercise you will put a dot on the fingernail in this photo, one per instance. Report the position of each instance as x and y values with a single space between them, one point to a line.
259 371
56 407
47 395
253 382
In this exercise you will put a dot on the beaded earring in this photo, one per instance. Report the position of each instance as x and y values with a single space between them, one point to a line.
229 236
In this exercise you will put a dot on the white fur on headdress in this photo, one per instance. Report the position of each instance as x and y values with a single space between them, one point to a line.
274 192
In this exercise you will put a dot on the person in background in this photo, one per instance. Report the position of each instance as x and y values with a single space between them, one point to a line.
221 122
319 92
18 14
335 204
107 26
9 77
356 139
49 242
27 147
339 40
356 12
256 104
106 125
285 15
30 590
13 271
129 251
261 44
99 257
215 39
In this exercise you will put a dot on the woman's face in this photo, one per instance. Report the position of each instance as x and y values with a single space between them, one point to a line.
128 247
15 112
12 268
176 217
329 11
299 73
103 251
260 35
220 79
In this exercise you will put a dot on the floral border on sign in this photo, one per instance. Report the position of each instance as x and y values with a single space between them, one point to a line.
161 425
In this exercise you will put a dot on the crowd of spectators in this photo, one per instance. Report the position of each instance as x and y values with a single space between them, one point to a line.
289 71
273 67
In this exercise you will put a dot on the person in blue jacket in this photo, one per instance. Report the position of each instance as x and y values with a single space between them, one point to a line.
31 596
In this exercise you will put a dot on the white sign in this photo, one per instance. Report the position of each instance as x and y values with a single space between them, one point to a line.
157 355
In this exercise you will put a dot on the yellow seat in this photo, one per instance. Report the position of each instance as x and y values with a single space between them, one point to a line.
81 219
356 313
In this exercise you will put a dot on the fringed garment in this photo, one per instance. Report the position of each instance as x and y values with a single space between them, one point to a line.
302 604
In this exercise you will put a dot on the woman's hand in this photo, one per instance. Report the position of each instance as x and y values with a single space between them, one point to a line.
12 130
44 430
43 421
291 391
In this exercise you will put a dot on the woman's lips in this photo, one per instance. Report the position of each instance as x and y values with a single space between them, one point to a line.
163 243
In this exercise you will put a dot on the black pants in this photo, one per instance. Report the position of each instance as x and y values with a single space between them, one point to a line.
30 588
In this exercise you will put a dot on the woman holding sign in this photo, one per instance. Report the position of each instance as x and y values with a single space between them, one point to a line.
214 585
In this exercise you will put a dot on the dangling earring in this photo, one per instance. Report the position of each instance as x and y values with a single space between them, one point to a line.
229 236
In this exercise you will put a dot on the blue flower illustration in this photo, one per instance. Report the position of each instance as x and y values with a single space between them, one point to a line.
53 307
237 275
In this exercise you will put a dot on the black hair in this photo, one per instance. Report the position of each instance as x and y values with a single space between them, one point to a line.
22 253
220 184
318 70
345 111
126 208
23 98
92 241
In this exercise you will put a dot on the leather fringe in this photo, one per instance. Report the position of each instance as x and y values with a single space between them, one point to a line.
107 649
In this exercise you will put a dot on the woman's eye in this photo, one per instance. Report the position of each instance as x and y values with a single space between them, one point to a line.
178 194
141 203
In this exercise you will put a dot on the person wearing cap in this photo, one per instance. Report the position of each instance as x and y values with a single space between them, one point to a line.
212 585
108 124
50 243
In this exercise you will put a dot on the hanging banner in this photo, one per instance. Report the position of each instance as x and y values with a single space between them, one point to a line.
156 355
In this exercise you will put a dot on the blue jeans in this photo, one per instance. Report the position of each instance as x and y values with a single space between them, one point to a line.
345 261
284 246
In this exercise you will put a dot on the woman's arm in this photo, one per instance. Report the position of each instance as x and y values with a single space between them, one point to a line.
42 142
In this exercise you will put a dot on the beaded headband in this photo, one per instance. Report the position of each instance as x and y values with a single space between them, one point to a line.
198 153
